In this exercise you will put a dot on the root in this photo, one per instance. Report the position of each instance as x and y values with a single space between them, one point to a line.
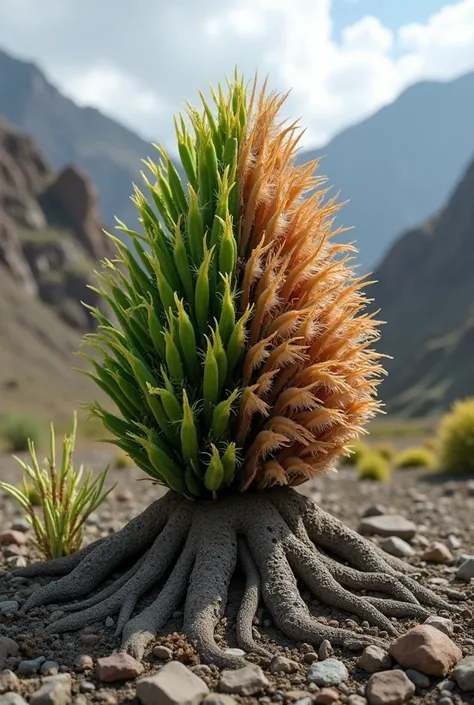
191 549
249 604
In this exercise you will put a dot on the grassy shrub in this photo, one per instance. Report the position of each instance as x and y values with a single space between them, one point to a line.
18 429
122 460
386 450
415 457
358 449
372 466
456 439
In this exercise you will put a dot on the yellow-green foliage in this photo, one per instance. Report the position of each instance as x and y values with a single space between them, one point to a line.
372 466
17 429
358 449
415 457
123 460
66 497
386 450
456 439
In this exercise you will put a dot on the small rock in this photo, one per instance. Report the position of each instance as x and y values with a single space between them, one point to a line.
426 649
448 685
326 696
310 657
248 680
463 673
86 687
374 510
437 553
30 667
328 672
465 571
325 650
387 525
445 700
389 688
7 606
21 525
235 652
8 682
302 701
281 664
125 496
397 547
82 663
12 699
419 679
49 668
56 690
444 624
118 667
8 647
356 700
201 670
163 652
16 538
453 543
89 639
109 622
105 697
219 699
297 694
16 562
374 659
174 684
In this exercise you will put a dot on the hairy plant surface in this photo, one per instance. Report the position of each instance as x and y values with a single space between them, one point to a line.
242 366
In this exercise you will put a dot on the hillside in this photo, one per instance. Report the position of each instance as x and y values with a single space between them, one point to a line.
426 292
400 164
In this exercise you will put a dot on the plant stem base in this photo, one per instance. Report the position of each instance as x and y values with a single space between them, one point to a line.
193 548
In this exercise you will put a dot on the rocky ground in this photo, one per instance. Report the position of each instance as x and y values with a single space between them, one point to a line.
429 522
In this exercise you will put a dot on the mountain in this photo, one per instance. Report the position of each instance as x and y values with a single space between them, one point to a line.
400 164
50 239
425 289
67 134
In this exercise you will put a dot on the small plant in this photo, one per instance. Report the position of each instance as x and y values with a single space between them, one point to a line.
358 449
66 497
372 466
415 457
386 450
122 460
456 439
18 429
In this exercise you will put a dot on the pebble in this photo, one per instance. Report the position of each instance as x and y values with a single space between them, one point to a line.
118 667
281 664
374 510
453 543
219 699
465 571
387 525
303 701
437 553
16 562
374 659
163 652
397 547
12 699
419 679
8 682
109 622
21 525
248 680
463 673
89 639
356 700
201 670
326 696
86 687
426 649
82 663
445 700
7 606
30 667
56 690
310 657
8 647
327 673
15 538
174 684
125 496
325 650
235 652
49 668
389 688
444 624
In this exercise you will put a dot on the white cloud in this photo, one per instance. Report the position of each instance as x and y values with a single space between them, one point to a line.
140 65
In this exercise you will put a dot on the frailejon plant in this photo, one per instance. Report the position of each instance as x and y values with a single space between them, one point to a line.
64 496
241 365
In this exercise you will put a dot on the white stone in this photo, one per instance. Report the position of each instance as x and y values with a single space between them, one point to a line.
174 684
248 680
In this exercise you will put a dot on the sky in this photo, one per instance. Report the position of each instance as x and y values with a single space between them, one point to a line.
138 61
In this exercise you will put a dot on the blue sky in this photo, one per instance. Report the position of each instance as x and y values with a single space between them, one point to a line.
343 59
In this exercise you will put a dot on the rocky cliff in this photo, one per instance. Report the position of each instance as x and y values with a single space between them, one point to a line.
50 230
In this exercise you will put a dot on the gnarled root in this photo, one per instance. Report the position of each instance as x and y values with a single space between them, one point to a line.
191 549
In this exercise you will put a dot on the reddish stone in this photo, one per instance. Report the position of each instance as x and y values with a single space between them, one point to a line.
426 649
